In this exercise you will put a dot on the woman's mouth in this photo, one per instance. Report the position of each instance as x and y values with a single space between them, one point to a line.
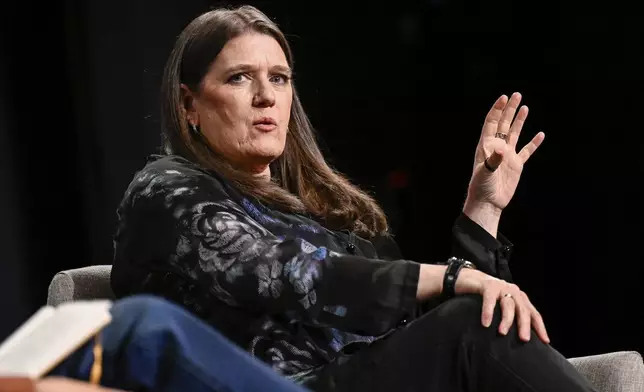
265 124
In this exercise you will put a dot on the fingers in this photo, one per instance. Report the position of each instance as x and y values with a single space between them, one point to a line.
529 149
524 320
538 325
508 113
495 160
528 318
517 126
494 116
489 302
508 310
515 305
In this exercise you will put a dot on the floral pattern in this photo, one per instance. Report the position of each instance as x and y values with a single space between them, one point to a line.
269 279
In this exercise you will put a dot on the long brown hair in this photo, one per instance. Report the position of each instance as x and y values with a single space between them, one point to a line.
302 181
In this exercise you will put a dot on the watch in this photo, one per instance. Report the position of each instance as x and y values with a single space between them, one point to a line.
454 267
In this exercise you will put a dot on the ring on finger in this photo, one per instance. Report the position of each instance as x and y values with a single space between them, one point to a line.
507 295
487 166
502 136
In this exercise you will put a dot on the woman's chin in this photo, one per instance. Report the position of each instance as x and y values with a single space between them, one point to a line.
268 153
262 158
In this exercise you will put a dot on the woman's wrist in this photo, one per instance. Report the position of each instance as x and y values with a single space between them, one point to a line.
430 281
469 282
484 214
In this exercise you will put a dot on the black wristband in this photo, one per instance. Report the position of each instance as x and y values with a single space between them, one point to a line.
454 267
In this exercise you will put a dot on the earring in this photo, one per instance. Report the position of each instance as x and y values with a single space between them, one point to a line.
194 128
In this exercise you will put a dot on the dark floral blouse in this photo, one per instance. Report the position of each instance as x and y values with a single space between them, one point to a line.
291 292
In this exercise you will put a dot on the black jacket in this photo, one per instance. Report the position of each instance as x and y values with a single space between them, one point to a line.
291 292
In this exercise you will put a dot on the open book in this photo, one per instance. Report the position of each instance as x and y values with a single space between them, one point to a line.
51 335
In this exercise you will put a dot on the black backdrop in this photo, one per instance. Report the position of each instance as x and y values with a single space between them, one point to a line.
396 91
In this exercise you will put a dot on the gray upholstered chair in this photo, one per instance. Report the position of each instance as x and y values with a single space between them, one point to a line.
80 284
621 371
613 372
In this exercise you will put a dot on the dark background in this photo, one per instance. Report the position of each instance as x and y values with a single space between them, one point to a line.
398 92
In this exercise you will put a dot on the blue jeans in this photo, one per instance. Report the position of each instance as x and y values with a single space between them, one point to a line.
154 345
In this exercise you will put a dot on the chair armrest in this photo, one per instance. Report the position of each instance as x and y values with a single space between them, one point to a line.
92 282
621 371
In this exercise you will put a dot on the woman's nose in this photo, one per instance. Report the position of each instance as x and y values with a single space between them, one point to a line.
265 94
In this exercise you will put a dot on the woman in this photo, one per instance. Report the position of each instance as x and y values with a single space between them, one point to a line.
244 223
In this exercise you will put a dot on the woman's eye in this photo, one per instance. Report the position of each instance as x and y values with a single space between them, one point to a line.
237 78
279 79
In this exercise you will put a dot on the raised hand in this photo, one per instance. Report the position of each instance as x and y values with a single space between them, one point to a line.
497 164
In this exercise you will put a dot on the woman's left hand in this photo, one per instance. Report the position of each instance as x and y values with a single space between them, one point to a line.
494 184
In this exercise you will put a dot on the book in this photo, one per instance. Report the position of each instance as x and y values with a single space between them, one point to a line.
50 335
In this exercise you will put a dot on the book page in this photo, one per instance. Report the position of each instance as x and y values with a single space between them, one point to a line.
42 348
25 328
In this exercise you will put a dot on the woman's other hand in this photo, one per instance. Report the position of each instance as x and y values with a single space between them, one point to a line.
493 184
514 303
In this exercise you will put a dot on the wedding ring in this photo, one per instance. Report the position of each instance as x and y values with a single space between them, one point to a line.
507 295
503 136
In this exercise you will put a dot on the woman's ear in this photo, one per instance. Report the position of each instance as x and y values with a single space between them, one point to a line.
188 105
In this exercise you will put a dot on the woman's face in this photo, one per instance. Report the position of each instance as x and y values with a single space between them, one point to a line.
244 106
